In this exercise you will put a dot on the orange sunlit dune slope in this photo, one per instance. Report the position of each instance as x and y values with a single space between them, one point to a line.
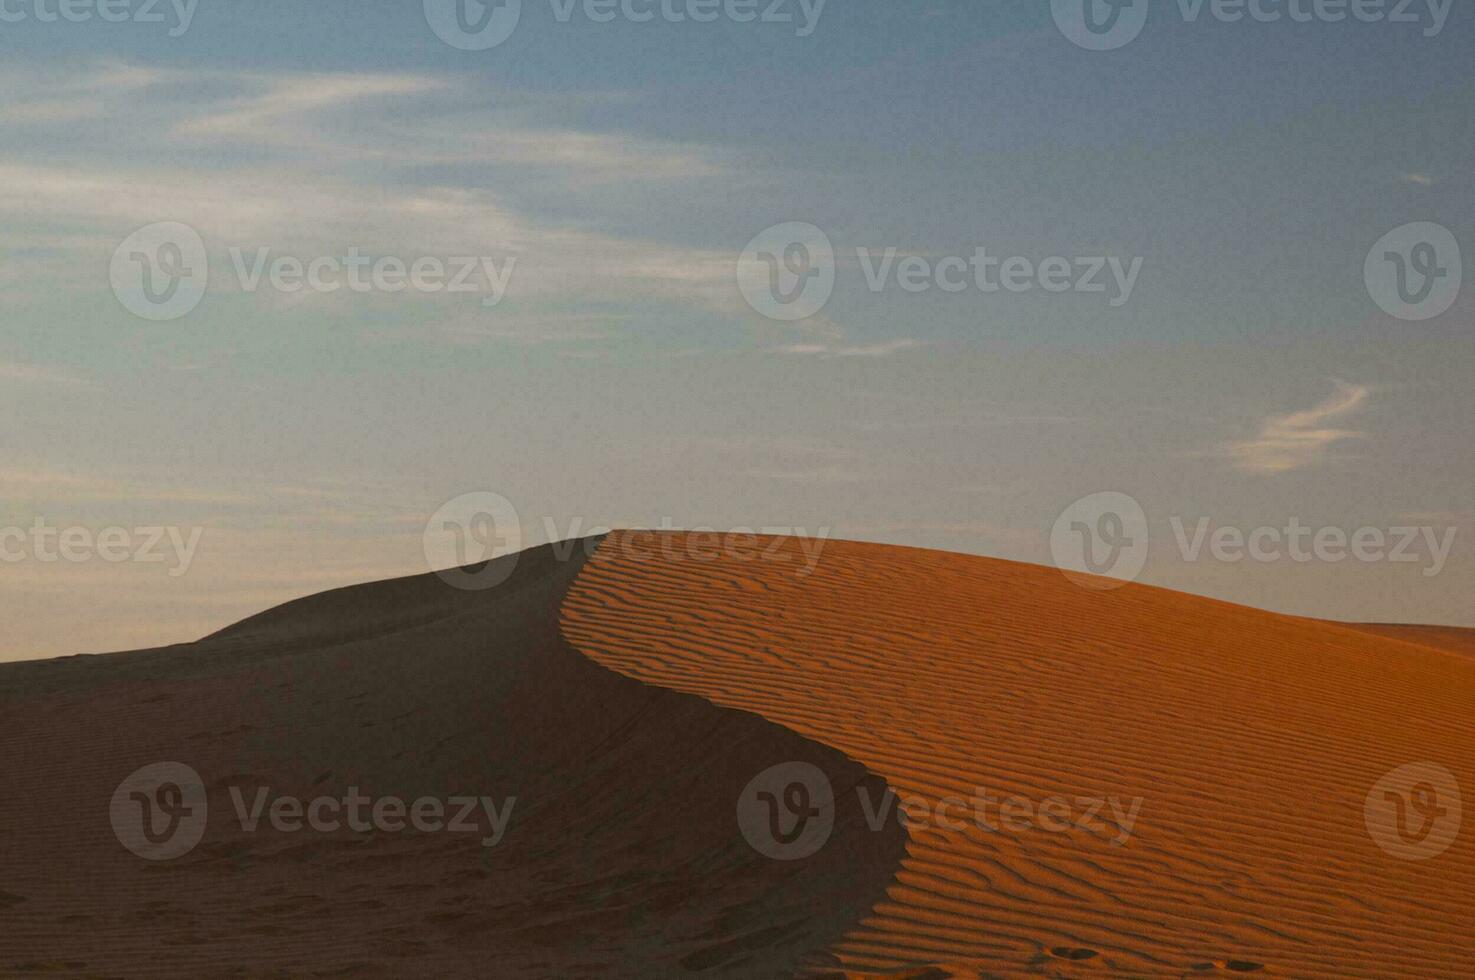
1249 741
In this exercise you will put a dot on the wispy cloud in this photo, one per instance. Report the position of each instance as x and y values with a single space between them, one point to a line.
822 337
312 214
300 184
420 120
43 97
280 112
1423 180
1299 439
828 350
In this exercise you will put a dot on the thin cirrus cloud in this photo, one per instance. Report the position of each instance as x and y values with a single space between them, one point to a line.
299 186
321 118
829 350
279 111
36 96
1299 439
418 120
823 337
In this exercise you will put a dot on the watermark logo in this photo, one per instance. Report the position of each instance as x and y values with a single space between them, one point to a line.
787 812
1101 541
160 812
473 25
787 272
1100 25
1414 812
481 530
1415 272
160 272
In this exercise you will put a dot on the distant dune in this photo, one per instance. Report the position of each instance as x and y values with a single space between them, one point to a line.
1442 637
1188 780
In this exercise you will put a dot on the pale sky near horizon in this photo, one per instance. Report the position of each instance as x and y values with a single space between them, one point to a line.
1248 376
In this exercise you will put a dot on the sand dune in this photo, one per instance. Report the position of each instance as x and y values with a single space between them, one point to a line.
621 856
1252 740
1450 638
1168 785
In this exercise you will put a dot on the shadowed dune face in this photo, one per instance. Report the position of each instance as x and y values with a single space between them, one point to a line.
1251 740
622 855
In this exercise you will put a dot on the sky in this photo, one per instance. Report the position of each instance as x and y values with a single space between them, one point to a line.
1193 297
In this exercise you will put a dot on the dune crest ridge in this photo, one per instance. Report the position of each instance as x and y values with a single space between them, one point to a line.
1251 740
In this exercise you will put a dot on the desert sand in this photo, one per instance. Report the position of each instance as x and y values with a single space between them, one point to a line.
1251 738
621 857
627 702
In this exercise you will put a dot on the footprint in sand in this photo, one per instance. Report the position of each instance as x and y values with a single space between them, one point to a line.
1073 953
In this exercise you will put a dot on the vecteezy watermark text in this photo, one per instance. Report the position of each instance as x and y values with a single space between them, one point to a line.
161 812
1303 543
361 273
990 274
803 14
739 544
161 272
46 543
472 542
362 814
1101 541
1105 25
1110 818
108 11
787 272
787 812
479 25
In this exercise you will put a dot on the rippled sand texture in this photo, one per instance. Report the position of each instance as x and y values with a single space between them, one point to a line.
1252 739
